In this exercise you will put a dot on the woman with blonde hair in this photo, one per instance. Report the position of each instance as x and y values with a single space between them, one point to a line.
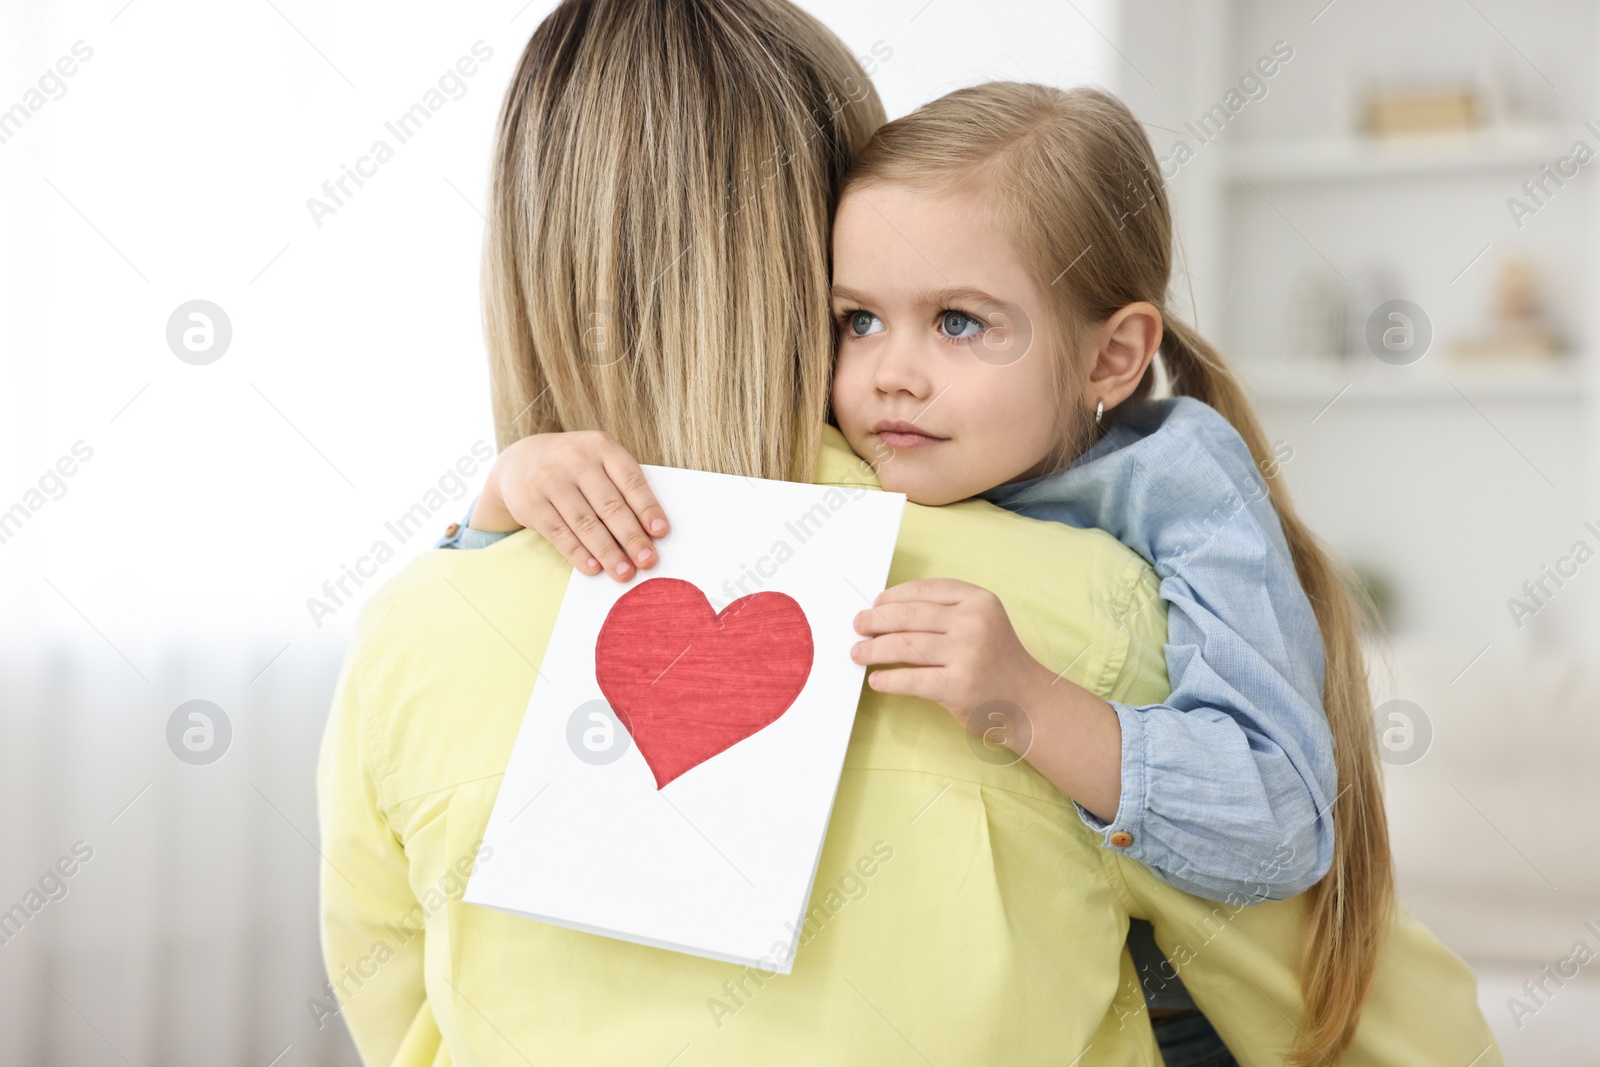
657 269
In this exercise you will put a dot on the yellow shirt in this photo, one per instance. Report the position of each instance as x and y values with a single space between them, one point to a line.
962 912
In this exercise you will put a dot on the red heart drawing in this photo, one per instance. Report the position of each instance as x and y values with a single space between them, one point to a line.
689 683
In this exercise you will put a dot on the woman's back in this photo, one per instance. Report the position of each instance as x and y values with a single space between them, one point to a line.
966 917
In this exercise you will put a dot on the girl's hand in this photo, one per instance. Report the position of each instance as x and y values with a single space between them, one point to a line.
953 644
583 492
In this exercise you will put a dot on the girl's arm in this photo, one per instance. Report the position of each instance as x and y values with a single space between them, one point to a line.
1212 804
952 643
1240 755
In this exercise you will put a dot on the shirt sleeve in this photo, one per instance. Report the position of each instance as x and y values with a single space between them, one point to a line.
1227 785
460 535
375 980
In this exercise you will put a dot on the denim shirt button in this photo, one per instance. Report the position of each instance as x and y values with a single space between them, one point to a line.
1122 839
452 529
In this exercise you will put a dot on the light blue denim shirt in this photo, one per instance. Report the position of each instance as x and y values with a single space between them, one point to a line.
1227 786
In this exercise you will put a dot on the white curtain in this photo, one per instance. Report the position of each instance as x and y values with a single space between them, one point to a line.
189 935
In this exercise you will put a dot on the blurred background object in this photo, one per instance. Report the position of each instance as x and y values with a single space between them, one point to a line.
240 388
1518 331
1404 112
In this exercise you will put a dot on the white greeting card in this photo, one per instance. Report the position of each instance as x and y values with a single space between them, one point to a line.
673 777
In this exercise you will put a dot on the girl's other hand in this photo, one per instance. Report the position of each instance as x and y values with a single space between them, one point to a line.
584 493
950 642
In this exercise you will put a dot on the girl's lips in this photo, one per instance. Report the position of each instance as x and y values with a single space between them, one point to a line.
907 439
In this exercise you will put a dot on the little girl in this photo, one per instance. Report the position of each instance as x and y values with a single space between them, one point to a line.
1001 260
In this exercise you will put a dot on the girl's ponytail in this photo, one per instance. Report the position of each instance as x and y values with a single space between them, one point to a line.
1350 906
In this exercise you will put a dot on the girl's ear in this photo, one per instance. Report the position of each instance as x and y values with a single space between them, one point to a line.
1124 345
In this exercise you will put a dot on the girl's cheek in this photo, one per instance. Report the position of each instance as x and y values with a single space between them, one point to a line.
840 395
846 393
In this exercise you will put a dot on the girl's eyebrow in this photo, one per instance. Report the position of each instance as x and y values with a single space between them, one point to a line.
974 298
977 299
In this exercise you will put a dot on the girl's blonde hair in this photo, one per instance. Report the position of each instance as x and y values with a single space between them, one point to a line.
1076 184
657 258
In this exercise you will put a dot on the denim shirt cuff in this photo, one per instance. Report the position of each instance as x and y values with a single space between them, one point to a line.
1129 819
460 535
468 538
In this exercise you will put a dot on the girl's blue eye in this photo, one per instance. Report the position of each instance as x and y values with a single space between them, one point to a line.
958 326
862 323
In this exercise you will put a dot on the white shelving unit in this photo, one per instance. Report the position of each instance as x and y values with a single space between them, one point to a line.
1342 158
1563 383
1454 479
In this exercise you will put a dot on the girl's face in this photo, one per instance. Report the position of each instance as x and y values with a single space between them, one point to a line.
943 380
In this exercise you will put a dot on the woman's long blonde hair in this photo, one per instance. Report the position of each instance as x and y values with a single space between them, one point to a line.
657 259
1078 187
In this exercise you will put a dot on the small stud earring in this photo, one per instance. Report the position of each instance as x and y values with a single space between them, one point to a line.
1099 411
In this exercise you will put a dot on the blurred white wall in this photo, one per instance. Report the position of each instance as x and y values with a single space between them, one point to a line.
177 165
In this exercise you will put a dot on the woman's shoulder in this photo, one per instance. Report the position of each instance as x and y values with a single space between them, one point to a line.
434 579
445 654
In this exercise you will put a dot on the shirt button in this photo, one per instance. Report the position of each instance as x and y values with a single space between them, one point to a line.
450 531
1122 839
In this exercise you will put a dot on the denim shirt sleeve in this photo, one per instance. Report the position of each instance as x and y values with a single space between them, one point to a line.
460 535
1227 786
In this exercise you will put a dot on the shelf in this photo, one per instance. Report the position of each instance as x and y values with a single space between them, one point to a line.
1309 383
1350 158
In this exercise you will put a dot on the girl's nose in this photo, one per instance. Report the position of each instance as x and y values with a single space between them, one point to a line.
902 368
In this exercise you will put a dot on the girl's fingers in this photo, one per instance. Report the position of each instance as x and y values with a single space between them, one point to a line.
629 478
577 514
606 500
923 682
547 521
900 616
914 649
934 590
